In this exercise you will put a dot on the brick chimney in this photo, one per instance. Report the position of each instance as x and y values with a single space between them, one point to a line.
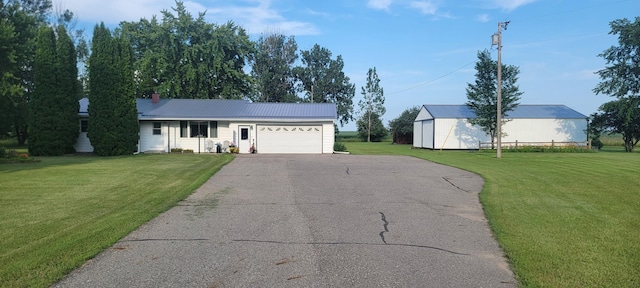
155 98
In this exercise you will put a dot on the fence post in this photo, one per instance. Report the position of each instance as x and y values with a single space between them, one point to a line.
479 145
552 143
516 144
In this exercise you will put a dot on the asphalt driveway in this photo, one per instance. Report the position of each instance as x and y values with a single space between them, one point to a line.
313 221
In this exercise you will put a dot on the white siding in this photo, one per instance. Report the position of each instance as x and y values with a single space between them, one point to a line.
149 142
227 131
328 137
459 134
199 145
417 134
423 114
545 130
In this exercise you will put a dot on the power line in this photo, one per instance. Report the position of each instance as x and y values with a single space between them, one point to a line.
607 3
432 80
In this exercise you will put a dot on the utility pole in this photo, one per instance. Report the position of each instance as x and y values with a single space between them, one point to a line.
497 40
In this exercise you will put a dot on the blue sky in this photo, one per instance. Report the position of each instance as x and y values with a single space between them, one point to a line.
424 50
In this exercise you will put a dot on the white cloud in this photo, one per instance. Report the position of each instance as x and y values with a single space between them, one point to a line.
484 18
511 5
256 16
115 11
585 74
425 7
261 18
379 4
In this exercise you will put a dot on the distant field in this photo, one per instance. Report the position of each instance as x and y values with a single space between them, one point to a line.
563 219
352 136
612 140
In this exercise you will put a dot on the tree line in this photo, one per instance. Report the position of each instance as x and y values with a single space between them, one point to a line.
182 56
177 55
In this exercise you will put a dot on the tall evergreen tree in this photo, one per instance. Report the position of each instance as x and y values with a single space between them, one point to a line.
372 101
483 98
126 111
53 121
43 120
113 129
67 97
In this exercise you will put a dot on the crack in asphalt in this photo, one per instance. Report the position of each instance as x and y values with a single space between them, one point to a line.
351 243
386 227
454 185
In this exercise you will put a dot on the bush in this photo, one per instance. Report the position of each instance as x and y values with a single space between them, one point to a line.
3 152
339 147
597 143
378 131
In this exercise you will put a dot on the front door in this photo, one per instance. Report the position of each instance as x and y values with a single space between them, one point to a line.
244 143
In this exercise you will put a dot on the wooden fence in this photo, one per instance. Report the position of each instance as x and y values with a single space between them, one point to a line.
518 144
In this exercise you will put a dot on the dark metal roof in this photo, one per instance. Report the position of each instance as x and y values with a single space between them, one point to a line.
520 112
226 109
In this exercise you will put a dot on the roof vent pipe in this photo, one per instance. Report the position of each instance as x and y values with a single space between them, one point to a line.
155 98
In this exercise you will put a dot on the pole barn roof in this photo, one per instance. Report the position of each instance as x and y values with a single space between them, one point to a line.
520 112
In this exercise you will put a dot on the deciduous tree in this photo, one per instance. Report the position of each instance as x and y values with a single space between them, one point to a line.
619 116
378 131
402 127
621 76
20 20
372 101
621 79
272 69
323 81
482 96
186 57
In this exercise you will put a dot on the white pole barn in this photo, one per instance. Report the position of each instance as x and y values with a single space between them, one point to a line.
447 127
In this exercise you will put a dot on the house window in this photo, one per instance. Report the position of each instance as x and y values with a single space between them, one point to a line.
84 125
213 126
199 129
157 128
183 129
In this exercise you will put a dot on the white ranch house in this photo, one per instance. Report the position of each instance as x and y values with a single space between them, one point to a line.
204 124
447 127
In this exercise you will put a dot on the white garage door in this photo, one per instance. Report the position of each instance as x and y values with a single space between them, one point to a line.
289 139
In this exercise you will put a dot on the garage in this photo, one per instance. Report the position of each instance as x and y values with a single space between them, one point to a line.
285 139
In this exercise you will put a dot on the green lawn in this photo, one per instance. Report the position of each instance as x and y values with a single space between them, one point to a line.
563 219
57 213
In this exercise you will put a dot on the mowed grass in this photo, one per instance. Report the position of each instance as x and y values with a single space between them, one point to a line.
563 219
60 212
